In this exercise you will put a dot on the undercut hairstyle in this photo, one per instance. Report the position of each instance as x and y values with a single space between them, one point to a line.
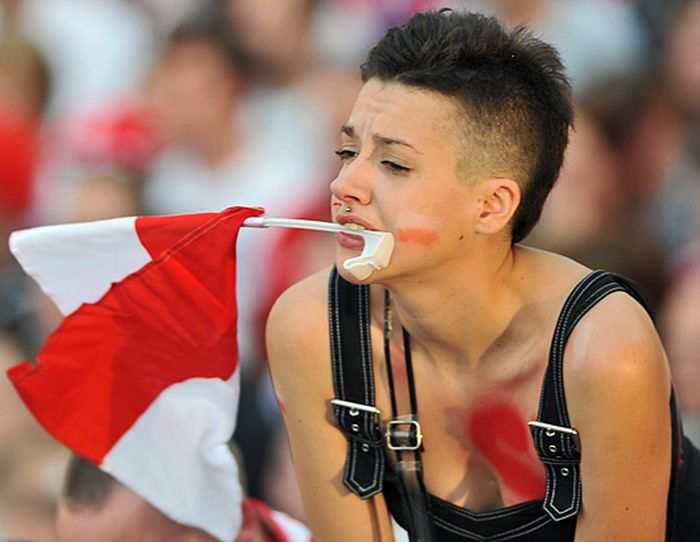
86 486
512 90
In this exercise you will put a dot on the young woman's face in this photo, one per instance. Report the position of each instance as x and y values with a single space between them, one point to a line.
399 173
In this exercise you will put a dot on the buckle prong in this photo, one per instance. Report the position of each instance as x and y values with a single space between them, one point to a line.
355 406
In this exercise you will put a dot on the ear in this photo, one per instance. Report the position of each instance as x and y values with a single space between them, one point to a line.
500 198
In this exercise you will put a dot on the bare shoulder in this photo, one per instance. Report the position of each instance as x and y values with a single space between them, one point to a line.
301 308
618 388
615 346
613 352
297 328
299 354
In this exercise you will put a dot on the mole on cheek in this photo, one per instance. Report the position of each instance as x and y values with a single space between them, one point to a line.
418 236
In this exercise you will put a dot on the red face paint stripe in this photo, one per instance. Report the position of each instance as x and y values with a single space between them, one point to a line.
416 235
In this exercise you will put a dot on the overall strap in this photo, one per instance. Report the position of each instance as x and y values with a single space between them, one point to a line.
555 440
353 381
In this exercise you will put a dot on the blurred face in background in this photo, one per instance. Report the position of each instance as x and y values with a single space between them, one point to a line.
274 32
680 321
192 89
124 516
683 58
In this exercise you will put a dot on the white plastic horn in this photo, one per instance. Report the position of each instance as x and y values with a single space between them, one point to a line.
375 255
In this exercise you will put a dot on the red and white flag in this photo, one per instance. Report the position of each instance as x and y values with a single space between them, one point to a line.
141 376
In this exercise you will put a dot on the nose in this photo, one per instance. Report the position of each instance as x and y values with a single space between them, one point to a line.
353 182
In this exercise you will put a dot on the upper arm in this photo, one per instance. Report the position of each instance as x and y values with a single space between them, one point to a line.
299 353
618 389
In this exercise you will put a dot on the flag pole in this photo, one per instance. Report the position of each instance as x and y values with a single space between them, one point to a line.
376 252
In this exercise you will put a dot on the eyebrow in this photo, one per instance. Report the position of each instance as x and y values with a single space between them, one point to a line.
378 138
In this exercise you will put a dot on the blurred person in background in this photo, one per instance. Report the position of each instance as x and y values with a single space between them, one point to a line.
652 121
85 186
590 215
675 216
673 199
97 49
98 52
655 125
31 463
29 460
94 507
104 156
25 88
222 143
276 35
307 50
19 147
590 177
597 39
680 326
26 82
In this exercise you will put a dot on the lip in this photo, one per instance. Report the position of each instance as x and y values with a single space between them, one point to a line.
353 219
351 240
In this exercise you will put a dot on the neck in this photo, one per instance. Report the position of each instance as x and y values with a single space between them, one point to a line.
457 312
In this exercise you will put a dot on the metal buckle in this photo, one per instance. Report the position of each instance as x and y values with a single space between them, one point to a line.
355 407
550 430
403 447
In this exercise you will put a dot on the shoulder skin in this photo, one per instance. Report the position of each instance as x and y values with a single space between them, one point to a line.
618 388
299 354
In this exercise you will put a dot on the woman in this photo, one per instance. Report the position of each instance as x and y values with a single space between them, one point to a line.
409 396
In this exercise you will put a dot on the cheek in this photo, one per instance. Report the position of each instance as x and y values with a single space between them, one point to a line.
417 236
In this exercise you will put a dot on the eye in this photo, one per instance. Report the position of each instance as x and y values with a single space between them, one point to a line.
345 154
394 167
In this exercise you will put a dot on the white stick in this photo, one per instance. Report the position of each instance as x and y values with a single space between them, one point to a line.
375 255
296 223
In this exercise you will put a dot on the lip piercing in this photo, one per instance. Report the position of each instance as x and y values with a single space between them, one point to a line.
347 209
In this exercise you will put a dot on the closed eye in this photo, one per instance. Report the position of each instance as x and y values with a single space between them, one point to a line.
345 154
394 167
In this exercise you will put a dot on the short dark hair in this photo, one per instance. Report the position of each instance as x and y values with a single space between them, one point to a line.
510 84
86 485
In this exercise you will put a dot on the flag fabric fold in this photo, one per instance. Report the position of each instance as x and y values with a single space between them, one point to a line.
141 376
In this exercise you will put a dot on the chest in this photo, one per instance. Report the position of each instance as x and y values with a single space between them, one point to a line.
477 449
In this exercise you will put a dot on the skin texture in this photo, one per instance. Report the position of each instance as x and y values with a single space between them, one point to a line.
480 313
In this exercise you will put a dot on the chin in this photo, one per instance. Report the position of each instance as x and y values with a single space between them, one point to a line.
347 275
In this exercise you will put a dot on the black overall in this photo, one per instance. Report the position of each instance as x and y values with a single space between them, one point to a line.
552 519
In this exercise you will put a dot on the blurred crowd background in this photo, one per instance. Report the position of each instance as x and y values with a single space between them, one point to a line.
124 107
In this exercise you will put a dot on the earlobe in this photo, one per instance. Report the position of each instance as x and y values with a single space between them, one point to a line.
497 207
